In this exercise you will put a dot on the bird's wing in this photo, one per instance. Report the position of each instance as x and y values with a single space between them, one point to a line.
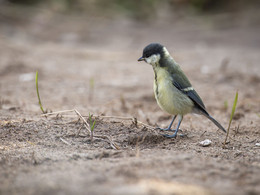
181 82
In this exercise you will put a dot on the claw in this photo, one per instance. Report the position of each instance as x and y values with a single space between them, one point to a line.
174 135
167 129
170 136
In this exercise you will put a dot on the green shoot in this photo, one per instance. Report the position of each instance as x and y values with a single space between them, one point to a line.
231 118
225 104
92 126
91 123
38 94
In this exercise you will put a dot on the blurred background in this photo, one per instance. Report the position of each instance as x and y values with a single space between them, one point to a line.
105 22
78 44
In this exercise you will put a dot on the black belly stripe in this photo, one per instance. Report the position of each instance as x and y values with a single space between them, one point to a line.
155 78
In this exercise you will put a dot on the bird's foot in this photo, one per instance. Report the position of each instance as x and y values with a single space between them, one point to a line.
170 136
173 135
166 129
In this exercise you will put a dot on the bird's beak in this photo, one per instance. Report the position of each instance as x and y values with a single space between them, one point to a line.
140 59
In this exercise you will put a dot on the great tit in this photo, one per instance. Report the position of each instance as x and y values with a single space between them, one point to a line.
172 89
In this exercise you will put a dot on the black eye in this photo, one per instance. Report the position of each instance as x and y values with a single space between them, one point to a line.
147 55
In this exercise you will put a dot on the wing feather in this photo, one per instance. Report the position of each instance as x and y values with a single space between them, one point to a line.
181 82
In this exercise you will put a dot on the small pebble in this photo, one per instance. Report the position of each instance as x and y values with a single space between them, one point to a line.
257 144
205 143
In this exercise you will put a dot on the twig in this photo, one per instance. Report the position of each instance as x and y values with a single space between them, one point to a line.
100 116
236 131
113 144
145 125
77 134
117 117
64 141
85 122
126 118
232 138
203 133
58 112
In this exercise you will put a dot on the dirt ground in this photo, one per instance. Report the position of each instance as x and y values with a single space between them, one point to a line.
91 65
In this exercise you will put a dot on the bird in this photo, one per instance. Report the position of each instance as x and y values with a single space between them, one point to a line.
172 89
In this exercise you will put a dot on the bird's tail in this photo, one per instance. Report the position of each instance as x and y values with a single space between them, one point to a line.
215 122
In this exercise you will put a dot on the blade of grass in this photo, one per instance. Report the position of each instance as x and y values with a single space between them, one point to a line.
231 118
92 126
225 104
38 94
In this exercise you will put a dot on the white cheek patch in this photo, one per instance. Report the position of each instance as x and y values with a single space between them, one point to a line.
153 59
165 51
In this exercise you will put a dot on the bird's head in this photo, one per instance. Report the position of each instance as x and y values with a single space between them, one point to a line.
152 54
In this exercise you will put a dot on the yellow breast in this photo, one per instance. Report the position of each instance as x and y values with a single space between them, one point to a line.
168 97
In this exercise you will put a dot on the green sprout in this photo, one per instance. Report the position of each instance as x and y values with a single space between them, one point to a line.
38 94
225 104
92 126
231 117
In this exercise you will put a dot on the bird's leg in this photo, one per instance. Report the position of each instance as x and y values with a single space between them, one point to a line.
169 128
176 130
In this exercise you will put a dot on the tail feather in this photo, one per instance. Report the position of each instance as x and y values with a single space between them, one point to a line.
200 110
216 123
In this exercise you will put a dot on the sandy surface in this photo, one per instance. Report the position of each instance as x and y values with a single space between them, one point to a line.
91 65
